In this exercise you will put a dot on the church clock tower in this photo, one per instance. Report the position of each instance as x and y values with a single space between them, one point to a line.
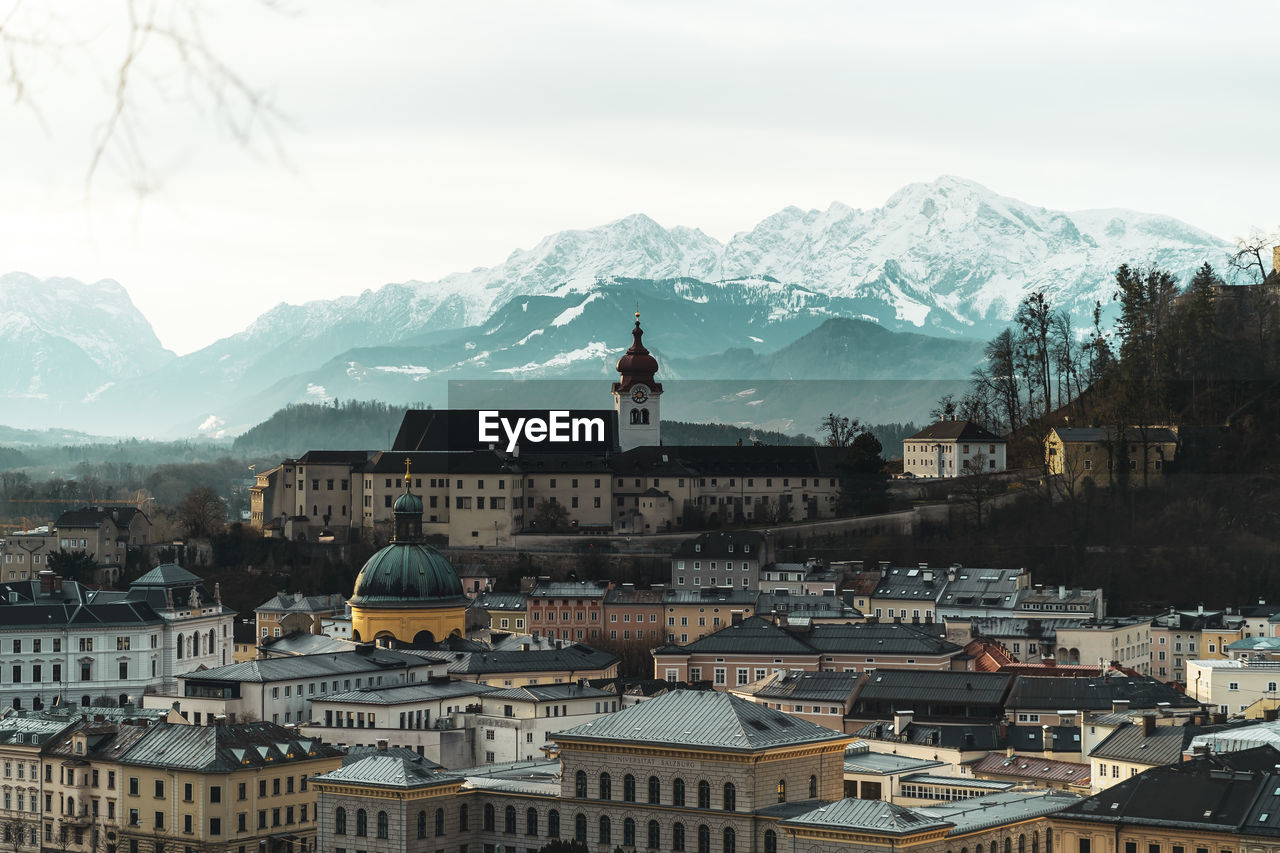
636 396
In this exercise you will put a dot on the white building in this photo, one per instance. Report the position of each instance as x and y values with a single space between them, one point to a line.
66 644
1232 685
281 690
953 448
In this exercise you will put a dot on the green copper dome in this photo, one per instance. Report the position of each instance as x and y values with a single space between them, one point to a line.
407 574
410 503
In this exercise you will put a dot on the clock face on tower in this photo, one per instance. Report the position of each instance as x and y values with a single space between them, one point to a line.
639 394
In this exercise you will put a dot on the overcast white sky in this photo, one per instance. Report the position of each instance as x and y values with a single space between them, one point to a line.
425 138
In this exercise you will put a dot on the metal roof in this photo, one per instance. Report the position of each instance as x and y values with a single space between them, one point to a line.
550 693
875 816
1032 768
402 694
886 764
308 666
573 658
905 686
1096 693
223 748
1162 745
979 813
816 686
390 771
698 718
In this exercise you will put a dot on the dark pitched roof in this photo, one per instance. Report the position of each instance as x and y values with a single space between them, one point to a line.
1032 768
1101 435
955 431
910 689
751 636
1214 792
705 719
336 457
576 657
806 686
968 738
756 635
1162 745
1093 694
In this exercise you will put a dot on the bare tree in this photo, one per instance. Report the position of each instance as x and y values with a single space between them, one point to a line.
157 50
976 484
1250 256
840 430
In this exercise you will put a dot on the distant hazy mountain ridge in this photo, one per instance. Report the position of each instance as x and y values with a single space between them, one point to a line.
949 258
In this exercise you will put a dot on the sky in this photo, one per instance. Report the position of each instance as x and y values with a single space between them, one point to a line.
409 140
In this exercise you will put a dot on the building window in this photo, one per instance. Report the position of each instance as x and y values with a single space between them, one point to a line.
629 788
704 794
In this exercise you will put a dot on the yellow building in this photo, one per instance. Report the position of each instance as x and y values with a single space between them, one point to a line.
241 788
408 592
1080 453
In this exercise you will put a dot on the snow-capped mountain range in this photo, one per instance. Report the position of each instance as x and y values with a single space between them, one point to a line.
949 259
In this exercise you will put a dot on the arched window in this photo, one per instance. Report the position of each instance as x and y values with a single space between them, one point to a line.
655 790
531 822
993 847
655 835
340 821
677 838
677 792
730 797
1008 845
1035 841
782 790
1048 841
606 831
181 640
704 794
362 823
553 824
209 646
422 824
606 787
813 787
580 784
730 840
771 841
462 817
1022 843
509 820
384 825
628 833
439 822
704 838
580 827
629 788
488 819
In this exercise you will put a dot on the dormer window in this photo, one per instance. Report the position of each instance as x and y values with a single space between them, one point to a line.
697 546
730 547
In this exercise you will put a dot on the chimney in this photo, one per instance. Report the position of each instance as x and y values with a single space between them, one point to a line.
46 582
884 568
901 720
927 576
922 566
1119 706
1062 592
1199 609
297 596
1148 725
1046 734
382 744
